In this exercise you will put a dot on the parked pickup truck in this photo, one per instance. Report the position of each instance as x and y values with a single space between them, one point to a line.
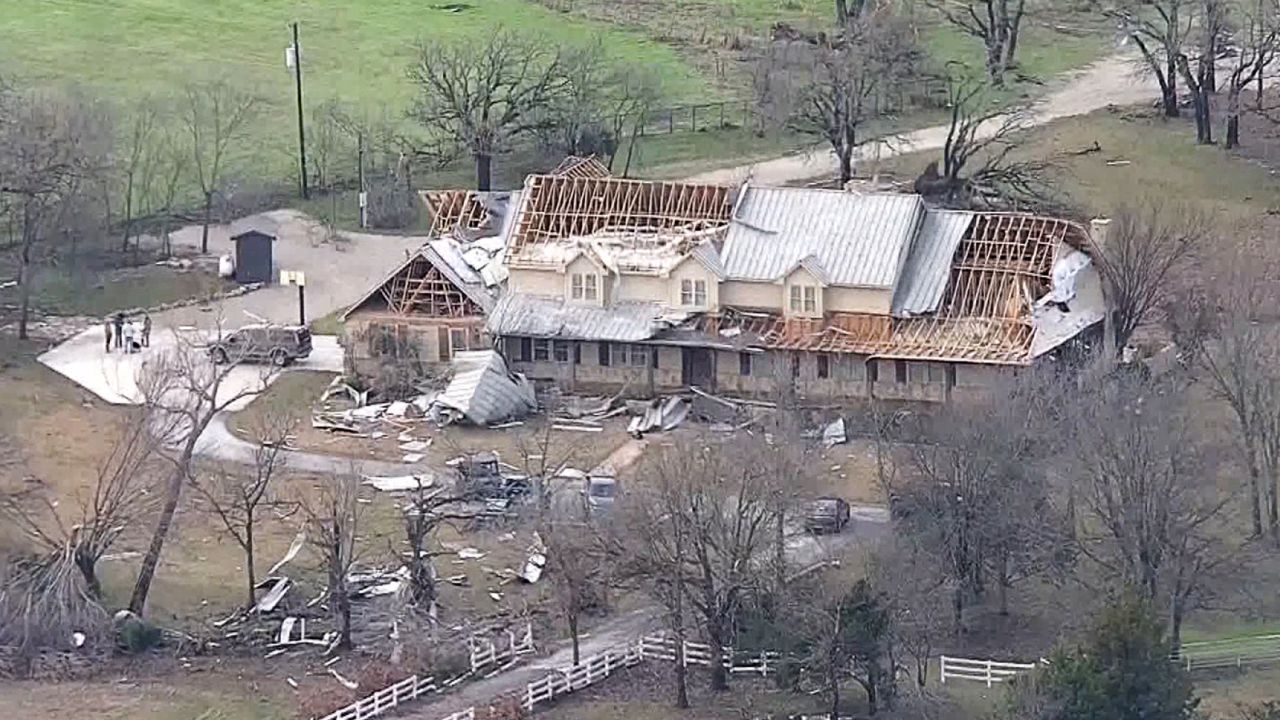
826 514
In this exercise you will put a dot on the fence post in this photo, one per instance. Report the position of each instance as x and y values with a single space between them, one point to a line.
721 114
693 118
988 673
942 668
671 121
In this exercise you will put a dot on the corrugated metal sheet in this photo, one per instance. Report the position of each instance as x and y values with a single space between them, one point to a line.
543 317
447 257
924 277
484 391
860 240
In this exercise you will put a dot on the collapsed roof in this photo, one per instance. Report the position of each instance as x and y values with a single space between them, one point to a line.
965 286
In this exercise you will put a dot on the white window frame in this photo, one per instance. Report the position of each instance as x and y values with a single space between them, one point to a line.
591 288
810 299
693 293
794 301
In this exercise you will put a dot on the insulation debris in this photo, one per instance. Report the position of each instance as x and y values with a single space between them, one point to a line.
834 433
279 587
294 547
399 483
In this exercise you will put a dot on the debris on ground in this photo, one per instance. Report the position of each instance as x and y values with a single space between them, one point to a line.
398 483
663 413
294 547
483 391
279 586
834 433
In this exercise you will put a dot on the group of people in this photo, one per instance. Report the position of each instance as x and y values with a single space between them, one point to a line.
125 334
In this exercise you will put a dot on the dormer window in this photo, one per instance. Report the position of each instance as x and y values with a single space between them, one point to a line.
804 299
693 293
585 286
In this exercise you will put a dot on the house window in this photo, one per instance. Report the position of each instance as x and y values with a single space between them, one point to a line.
577 353
653 358
951 375
804 299
824 366
873 370
602 354
585 286
619 353
900 371
639 355
744 364
693 293
541 349
457 339
526 349
795 365
560 348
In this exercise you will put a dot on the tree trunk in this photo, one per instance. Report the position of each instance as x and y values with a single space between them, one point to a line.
1169 90
833 677
842 13
1255 479
845 156
573 636
1002 582
995 60
682 672
484 171
147 572
1011 41
1175 623
715 638
873 695
248 561
87 564
24 284
957 607
204 228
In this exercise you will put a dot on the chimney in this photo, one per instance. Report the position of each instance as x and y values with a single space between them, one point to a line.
1098 231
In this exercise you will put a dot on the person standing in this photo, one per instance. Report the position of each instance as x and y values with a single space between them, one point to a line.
128 336
146 330
119 322
106 330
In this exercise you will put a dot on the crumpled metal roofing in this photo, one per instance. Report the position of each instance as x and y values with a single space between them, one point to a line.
860 240
484 391
924 277
526 315
709 256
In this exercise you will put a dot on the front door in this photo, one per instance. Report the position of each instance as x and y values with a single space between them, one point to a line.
695 368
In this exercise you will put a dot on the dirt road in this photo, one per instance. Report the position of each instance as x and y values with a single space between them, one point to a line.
1110 81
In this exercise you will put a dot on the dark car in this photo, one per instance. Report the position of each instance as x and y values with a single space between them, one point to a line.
826 514
278 344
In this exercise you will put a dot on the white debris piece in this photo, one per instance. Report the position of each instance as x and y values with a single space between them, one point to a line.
398 483
348 684
415 446
533 567
470 553
412 458
294 547
834 434
274 595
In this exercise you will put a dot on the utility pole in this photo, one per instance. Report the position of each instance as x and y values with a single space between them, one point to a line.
302 137
361 197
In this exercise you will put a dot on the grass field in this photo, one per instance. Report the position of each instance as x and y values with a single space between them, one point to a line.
357 53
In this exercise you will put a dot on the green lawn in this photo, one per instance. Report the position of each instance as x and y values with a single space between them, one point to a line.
89 292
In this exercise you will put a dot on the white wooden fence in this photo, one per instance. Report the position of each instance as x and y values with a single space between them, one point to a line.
988 671
1236 652
575 677
385 699
659 647
485 653
468 714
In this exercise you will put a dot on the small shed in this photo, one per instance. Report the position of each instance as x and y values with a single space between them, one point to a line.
254 256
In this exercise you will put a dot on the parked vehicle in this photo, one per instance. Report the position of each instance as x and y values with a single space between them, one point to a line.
826 514
278 344
602 491
480 476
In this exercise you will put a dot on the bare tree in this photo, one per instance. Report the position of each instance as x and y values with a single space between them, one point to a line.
1145 250
846 631
978 167
238 497
333 517
978 501
481 96
141 164
123 495
426 510
577 570
997 23
1159 29
216 115
1139 464
914 585
1240 361
1198 66
48 144
1257 41
832 90
184 387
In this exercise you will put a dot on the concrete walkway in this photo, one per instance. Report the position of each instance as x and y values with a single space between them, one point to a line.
1111 81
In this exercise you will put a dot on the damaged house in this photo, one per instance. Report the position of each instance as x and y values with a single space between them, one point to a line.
434 304
652 286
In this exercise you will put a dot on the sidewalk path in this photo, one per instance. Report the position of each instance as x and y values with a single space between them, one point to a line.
1111 81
